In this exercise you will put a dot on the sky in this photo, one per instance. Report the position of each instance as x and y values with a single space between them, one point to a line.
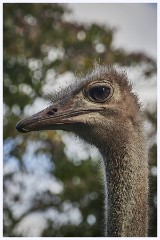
136 23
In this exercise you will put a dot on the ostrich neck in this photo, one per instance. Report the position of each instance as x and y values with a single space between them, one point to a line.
126 169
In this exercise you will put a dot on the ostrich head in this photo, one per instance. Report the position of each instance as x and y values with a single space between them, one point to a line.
103 99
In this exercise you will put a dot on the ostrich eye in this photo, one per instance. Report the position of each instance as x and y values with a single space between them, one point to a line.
99 93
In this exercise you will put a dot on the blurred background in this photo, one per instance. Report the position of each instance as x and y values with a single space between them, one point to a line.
52 181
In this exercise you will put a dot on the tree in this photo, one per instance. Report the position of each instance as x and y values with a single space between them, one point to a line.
42 183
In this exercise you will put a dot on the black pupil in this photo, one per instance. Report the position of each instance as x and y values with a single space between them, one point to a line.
99 93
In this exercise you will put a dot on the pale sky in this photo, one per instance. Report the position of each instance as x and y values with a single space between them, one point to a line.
136 23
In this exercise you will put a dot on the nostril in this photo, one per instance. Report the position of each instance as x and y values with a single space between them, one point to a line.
52 111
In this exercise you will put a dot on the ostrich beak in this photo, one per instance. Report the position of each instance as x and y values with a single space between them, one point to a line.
51 118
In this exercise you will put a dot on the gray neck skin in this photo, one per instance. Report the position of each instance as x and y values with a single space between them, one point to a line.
126 169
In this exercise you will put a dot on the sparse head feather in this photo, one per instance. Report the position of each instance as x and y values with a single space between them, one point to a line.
99 72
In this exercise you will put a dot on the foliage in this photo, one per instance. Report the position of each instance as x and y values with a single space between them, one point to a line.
39 42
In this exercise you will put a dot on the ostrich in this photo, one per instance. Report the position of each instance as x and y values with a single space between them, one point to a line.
102 109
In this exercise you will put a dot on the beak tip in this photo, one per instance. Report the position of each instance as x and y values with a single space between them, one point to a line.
20 128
